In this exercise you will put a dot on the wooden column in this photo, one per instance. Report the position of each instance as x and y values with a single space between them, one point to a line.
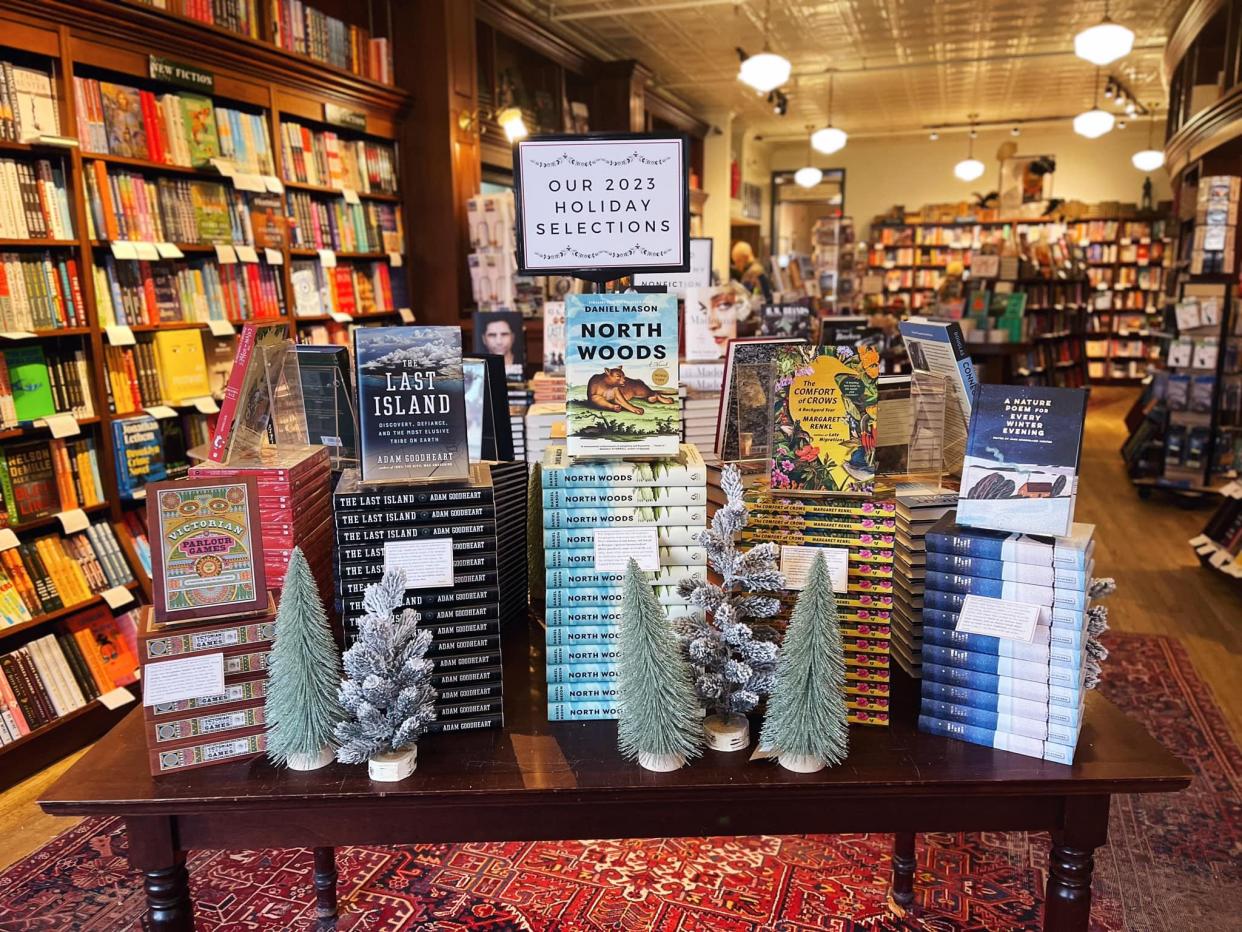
620 97
435 60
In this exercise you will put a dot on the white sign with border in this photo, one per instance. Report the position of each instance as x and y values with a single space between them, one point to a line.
273 184
327 258
428 564
183 678
341 317
350 195
614 546
205 405
998 618
396 260
159 412
123 249
147 252
699 276
18 335
599 204
796 565
406 315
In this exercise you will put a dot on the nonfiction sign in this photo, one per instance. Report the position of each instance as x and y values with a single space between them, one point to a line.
602 206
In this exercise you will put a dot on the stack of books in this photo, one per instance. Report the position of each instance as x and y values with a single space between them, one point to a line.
479 526
294 505
519 404
334 224
1006 693
545 425
546 388
52 572
53 675
584 503
204 730
324 159
35 205
699 413
864 529
919 506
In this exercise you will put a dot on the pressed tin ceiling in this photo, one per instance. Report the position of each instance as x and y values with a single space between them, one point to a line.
901 65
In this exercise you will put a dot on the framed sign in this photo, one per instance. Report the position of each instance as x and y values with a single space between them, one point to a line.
602 206
699 276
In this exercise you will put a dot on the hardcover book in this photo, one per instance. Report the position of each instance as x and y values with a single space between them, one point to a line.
743 424
182 366
824 405
786 320
29 482
207 550
29 382
621 375
411 404
246 410
1020 472
200 128
122 111
710 323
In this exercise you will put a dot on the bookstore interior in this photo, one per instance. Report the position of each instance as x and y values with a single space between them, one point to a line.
794 445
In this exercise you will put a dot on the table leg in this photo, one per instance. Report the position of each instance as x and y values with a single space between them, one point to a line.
903 868
1067 897
325 883
153 850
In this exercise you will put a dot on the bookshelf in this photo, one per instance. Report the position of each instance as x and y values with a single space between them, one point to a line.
114 42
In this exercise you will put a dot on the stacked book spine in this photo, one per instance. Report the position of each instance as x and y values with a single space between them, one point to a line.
919 506
1014 695
583 615
864 528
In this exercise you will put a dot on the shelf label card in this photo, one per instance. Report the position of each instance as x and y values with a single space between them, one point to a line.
273 256
225 254
119 335
614 546
73 520
116 698
428 564
169 251
246 253
396 260
226 167
117 596
344 116
160 412
183 75
350 195
340 317
249 181
123 249
796 565
273 184
205 405
998 618
184 678
147 252
8 540
62 425
221 328
594 204
327 258
406 315
18 335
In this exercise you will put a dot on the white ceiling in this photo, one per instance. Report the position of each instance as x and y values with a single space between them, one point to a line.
901 65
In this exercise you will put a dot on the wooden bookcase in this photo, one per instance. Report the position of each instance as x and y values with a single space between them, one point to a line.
96 38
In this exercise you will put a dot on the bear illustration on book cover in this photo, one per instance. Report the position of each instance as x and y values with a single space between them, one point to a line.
621 375
411 404
1020 472
824 405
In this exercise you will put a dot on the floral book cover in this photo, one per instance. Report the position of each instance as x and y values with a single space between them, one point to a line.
824 405
411 404
206 549
1020 472
621 375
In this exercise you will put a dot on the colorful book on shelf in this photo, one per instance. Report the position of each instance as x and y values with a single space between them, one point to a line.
200 126
29 482
182 366
246 410
30 382
122 113
139 454
36 110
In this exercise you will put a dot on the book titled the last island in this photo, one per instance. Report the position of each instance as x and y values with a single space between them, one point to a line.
1020 472
411 404
621 375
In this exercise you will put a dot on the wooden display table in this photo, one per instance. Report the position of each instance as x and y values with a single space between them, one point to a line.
537 780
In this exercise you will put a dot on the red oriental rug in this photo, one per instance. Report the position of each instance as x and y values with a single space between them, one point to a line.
1173 863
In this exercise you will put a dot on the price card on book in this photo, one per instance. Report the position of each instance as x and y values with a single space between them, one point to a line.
327 258
396 260
147 252
116 698
18 335
225 254
8 540
428 564
614 546
273 184
998 618
160 412
123 249
225 167
205 405
221 328
273 256
247 181
341 317
117 596
61 425
246 253
406 315
350 195
73 520
599 203
184 678
796 565
169 251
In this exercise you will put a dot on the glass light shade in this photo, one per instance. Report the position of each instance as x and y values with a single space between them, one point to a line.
1147 160
969 169
1093 123
510 120
765 71
808 177
1104 42
829 140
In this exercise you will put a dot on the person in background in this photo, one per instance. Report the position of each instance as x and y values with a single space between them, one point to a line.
747 270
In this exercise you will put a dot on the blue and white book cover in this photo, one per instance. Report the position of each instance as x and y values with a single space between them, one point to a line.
621 378
1020 472
411 403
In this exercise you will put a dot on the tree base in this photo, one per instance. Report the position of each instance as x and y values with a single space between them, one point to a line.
393 766
727 732
661 763
801 763
313 761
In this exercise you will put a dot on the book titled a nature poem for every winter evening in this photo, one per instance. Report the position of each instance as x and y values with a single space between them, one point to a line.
411 404
1020 472
621 375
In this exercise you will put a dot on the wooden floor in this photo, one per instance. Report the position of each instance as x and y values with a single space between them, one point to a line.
1161 589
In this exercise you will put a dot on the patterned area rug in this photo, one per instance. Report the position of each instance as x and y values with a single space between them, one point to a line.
1174 862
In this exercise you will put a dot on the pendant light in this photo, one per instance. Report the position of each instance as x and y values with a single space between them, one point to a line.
829 139
1104 42
767 70
969 168
1151 158
1095 122
808 176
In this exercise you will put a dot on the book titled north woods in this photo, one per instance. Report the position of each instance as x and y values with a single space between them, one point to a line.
411 404
1020 472
621 375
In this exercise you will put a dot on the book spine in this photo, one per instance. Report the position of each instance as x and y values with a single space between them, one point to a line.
495 720
209 724
596 596
420 516
1040 672
16 679
608 475
1018 744
248 691
582 673
179 644
586 691
967 715
206 753
592 635
646 497
589 578
359 501
583 711
683 535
